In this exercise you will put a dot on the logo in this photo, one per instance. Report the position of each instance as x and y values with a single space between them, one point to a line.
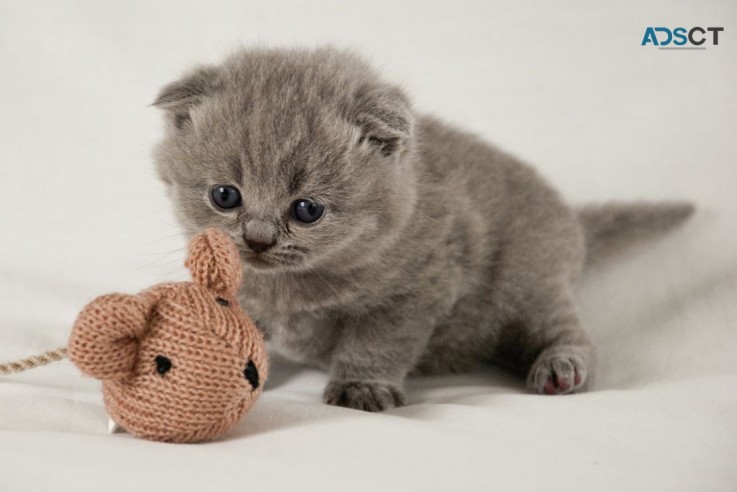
681 38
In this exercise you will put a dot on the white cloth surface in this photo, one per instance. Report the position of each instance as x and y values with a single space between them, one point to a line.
565 85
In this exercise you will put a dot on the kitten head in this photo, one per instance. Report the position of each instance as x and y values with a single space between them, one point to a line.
303 156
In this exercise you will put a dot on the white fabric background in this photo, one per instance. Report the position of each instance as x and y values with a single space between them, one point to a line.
565 85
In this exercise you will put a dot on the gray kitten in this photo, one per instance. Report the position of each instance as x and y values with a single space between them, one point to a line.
377 241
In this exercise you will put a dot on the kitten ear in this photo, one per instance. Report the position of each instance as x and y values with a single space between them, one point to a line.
179 97
214 262
384 114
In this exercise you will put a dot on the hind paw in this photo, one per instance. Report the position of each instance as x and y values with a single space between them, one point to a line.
558 372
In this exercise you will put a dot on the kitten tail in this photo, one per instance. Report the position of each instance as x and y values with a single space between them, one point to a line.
614 227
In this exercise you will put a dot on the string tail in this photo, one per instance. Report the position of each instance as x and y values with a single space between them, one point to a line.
34 361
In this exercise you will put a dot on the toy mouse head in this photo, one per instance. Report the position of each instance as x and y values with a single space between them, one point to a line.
179 362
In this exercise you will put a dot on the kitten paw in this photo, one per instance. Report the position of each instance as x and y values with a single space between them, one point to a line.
557 373
363 395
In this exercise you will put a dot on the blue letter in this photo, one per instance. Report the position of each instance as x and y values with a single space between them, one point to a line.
679 33
649 37
667 31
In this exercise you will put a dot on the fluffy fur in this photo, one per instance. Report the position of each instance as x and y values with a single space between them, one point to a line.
436 251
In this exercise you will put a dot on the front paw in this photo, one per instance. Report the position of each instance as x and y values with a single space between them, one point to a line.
363 395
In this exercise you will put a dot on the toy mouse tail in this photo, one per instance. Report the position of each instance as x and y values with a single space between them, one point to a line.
615 227
33 361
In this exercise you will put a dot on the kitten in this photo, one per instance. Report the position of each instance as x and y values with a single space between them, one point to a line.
377 241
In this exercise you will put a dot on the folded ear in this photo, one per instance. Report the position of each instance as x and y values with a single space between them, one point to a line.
104 339
384 114
179 97
214 262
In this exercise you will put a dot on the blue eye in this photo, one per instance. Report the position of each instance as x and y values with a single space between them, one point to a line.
307 211
225 196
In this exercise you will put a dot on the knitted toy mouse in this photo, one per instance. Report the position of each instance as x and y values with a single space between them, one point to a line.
179 362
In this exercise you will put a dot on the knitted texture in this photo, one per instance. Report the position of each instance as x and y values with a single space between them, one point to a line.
179 362
34 361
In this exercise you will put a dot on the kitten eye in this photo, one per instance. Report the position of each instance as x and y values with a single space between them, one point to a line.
386 146
222 302
307 211
163 364
225 196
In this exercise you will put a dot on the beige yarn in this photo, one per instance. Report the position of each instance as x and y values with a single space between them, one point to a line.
33 361
179 362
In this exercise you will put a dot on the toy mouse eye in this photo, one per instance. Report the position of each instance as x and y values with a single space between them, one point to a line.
222 302
251 374
163 364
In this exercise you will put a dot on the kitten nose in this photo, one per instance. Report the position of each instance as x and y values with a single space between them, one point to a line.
259 246
259 234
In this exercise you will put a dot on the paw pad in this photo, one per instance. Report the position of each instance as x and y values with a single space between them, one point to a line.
557 374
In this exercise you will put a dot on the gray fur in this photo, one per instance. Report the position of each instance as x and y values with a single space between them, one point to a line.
437 251
612 227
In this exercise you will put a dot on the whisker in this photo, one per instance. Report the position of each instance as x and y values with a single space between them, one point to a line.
294 247
162 258
157 263
177 235
166 253
287 256
171 272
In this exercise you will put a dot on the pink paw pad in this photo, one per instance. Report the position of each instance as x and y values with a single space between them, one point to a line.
564 384
557 375
550 388
555 385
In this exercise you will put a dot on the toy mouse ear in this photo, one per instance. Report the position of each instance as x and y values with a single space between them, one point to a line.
104 339
214 261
